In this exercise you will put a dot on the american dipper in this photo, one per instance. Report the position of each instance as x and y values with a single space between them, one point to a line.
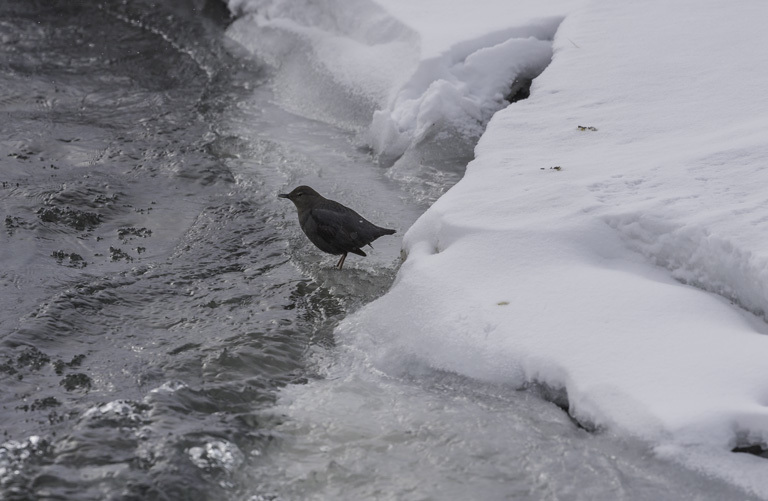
332 227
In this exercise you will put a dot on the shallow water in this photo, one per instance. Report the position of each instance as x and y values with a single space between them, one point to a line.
149 303
167 332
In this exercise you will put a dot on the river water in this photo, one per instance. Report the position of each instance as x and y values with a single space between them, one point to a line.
166 330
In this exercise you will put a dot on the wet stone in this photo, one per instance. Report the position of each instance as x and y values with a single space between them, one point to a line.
77 219
13 223
71 259
33 358
76 381
44 403
104 200
60 365
8 368
116 254
21 155
128 232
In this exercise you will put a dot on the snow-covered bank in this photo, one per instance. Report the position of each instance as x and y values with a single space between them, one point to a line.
610 237
618 259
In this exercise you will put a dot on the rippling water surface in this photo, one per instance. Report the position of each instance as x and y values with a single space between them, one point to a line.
151 298
166 331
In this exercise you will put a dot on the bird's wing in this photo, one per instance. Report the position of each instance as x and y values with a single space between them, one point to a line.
347 228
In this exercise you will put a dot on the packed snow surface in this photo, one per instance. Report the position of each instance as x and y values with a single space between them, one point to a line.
610 237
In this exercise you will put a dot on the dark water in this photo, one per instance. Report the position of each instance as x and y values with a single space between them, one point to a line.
151 301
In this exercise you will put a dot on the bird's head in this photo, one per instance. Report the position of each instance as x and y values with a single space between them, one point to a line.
302 196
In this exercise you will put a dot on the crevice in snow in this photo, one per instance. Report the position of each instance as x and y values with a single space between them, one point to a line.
558 395
427 133
520 89
758 450
753 443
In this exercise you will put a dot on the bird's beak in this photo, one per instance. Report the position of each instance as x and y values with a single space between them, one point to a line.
283 195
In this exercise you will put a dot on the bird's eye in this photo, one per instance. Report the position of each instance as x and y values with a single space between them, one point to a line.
299 194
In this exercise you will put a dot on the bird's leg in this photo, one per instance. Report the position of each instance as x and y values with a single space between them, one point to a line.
341 261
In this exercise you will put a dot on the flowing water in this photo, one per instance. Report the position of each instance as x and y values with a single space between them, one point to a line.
167 331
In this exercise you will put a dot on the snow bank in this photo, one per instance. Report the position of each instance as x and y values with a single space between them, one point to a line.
611 237
458 91
420 77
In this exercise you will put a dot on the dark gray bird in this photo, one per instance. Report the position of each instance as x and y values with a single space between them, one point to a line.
332 227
